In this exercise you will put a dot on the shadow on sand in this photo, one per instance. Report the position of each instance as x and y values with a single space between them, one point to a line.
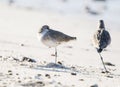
56 68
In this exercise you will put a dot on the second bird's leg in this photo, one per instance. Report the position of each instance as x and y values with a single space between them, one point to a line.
55 54
103 63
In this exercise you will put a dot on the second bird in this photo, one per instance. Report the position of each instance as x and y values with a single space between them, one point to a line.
53 38
101 40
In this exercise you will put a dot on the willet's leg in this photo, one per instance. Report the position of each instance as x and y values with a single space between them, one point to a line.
103 63
55 54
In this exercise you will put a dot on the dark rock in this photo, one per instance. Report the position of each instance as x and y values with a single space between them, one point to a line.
95 85
52 54
39 74
10 74
40 84
59 62
59 83
110 76
57 75
28 59
9 71
22 45
73 67
47 75
73 74
81 79
19 81
16 59
105 72
17 74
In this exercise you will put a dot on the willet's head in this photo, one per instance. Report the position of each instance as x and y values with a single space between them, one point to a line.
102 26
44 29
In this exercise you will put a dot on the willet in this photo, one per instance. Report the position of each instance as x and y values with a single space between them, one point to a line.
101 40
53 38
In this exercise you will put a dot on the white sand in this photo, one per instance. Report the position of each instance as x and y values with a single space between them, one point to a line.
20 26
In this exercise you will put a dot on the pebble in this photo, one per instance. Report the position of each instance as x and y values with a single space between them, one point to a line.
22 45
28 59
81 79
73 74
47 75
40 83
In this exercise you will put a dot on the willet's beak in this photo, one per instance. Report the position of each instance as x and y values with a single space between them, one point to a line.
40 31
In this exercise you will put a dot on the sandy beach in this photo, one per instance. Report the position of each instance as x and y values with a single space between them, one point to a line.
26 62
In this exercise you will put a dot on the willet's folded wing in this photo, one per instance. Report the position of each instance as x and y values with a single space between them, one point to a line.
59 36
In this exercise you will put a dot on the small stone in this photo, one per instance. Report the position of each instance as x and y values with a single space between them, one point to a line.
57 75
47 75
105 72
10 74
28 59
59 62
39 74
19 81
9 71
44 62
17 74
22 45
73 74
73 67
110 76
25 78
81 79
59 83
52 54
16 59
40 83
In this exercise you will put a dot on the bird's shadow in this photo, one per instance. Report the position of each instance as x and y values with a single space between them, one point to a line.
54 67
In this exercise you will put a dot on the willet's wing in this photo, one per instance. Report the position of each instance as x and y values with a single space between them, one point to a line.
102 38
59 36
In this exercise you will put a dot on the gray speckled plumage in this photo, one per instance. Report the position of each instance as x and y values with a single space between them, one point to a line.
53 38
101 37
101 40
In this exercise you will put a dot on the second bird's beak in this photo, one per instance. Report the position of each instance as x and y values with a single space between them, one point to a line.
40 31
